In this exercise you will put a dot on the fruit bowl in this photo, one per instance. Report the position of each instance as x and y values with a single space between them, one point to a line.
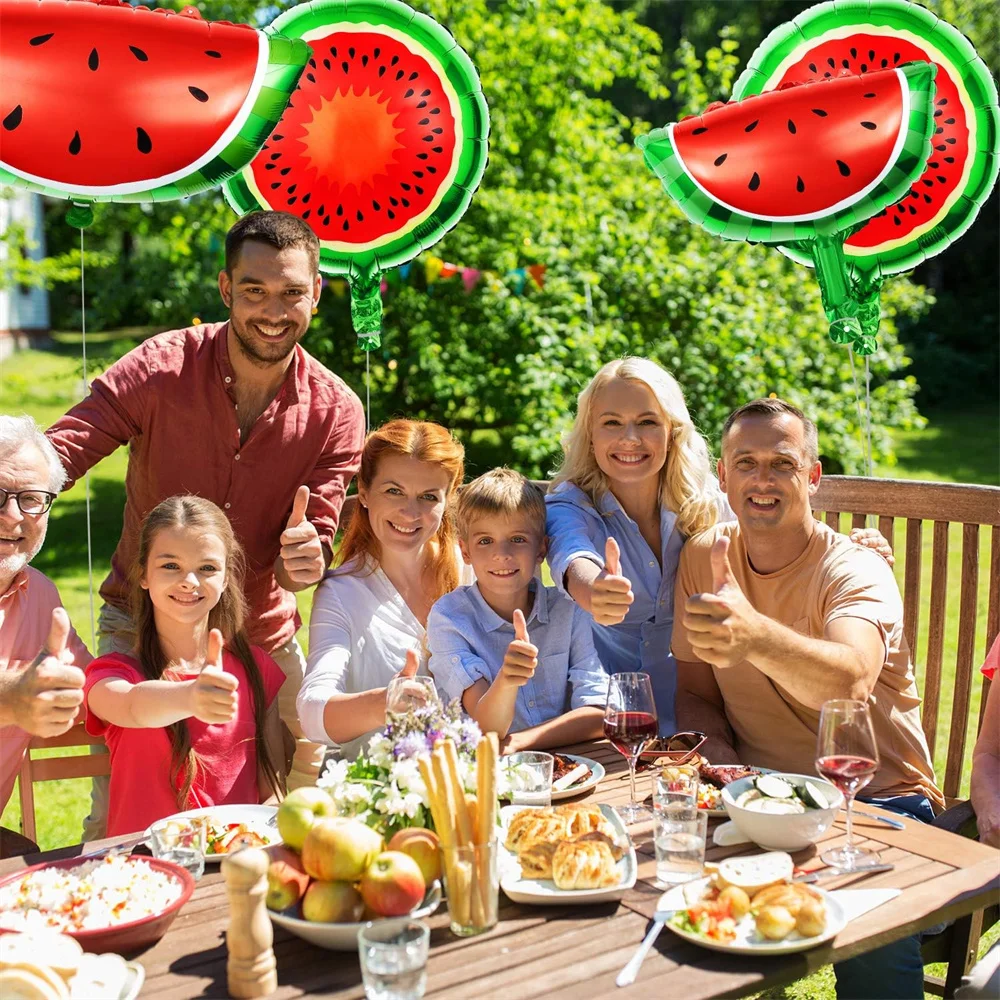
344 937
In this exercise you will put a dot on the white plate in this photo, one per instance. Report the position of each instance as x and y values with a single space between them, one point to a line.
748 941
261 819
543 891
596 774
344 937
136 977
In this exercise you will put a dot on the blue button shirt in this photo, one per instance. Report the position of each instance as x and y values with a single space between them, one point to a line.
577 529
468 641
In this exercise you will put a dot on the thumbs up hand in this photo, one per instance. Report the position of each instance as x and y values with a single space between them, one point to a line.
213 691
301 550
47 696
722 626
611 593
521 658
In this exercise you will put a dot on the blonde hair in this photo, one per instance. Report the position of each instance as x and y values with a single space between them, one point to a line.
687 486
501 492
426 442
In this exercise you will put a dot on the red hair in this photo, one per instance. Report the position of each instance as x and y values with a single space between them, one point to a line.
426 442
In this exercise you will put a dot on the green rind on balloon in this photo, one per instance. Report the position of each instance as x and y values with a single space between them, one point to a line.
968 68
456 66
702 209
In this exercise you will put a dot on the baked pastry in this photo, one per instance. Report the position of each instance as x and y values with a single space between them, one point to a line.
535 826
582 818
602 837
536 861
584 864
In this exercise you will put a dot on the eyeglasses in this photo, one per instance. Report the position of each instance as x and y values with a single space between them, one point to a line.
29 501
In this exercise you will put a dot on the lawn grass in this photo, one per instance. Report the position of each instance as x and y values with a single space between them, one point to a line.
958 446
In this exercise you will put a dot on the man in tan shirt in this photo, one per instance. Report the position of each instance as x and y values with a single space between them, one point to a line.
776 613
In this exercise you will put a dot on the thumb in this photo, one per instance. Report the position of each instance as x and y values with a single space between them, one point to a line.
298 514
412 664
520 626
58 632
722 572
612 557
213 655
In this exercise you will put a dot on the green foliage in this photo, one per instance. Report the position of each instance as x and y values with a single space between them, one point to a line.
566 188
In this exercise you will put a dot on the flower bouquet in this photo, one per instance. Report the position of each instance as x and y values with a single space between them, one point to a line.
383 787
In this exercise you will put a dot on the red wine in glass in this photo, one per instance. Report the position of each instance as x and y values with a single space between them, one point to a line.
629 732
849 774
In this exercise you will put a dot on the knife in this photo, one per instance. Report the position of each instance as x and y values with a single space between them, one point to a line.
835 873
894 823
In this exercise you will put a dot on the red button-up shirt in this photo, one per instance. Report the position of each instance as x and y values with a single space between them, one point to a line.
171 400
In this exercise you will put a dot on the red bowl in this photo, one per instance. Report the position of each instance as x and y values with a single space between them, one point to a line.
127 937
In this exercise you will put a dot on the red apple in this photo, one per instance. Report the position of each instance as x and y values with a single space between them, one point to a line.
286 879
393 885
423 846
332 903
339 850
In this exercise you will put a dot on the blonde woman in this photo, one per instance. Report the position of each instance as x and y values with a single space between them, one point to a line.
635 483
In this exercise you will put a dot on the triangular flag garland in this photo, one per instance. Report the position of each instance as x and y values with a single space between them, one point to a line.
435 269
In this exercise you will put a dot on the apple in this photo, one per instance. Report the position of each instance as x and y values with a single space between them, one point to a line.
332 903
423 846
299 810
339 850
392 885
286 879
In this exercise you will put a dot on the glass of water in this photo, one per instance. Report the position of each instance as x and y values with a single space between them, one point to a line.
181 841
675 790
679 834
394 959
530 774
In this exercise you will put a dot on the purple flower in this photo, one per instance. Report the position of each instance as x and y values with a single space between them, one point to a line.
410 745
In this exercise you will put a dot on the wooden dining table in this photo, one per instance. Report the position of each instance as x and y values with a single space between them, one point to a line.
576 952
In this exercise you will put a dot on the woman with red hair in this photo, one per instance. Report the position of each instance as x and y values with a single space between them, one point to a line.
398 556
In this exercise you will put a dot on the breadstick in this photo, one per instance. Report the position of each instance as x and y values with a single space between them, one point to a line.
463 824
472 804
487 754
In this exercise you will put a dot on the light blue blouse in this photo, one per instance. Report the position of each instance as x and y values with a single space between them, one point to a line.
578 529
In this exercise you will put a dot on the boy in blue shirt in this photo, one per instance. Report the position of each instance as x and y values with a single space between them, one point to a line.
519 655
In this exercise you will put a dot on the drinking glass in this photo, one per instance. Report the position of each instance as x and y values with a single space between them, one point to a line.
394 959
630 723
676 790
530 775
182 841
473 887
847 755
679 836
406 693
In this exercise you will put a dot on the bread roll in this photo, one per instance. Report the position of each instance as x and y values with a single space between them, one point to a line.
584 864
535 826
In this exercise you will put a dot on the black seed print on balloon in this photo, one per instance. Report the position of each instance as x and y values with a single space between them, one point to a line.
40 39
198 94
432 170
942 102
213 53
752 125
345 66
327 64
869 95
812 68
285 171
310 78
819 112
307 212
719 160
830 62
340 210
864 67
13 119
381 70
93 60
699 131
895 218
400 74
364 60
799 185
138 53
854 53
791 126
74 145
376 206
350 52
394 60
871 126
143 143
754 182
413 76
845 170
312 62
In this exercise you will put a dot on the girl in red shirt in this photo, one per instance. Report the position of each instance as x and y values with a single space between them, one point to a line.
191 717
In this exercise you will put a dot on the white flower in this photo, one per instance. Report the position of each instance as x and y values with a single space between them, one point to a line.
406 774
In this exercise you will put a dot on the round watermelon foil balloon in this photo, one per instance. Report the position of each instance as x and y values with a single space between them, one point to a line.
102 101
381 146
840 39
803 166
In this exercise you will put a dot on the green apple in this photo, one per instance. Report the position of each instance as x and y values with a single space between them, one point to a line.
332 903
299 810
339 850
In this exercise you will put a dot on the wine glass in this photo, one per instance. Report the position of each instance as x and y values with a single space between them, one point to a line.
407 693
847 755
630 723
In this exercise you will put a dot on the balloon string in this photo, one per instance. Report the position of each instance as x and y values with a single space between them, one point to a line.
865 439
86 477
868 429
368 391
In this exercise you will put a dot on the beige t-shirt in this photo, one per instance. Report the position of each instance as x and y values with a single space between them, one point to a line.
833 578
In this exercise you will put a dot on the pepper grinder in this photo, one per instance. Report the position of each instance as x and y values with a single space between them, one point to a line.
251 970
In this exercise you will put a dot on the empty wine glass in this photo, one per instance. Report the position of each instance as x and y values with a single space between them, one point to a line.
630 723
847 755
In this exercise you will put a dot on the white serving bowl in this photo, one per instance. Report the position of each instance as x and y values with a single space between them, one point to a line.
344 937
782 832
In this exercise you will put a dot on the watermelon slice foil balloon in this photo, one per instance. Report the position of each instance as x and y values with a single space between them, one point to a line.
836 39
382 144
102 101
804 166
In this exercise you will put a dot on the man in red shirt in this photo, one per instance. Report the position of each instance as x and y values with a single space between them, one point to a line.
239 413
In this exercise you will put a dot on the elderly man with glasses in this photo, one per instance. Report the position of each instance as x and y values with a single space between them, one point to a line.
41 657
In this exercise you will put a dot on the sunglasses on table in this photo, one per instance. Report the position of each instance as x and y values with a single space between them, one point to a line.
28 501
680 747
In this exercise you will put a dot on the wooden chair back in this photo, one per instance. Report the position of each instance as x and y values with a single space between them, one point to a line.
923 553
78 765
900 508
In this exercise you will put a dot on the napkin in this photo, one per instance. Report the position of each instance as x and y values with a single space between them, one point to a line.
728 835
858 901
